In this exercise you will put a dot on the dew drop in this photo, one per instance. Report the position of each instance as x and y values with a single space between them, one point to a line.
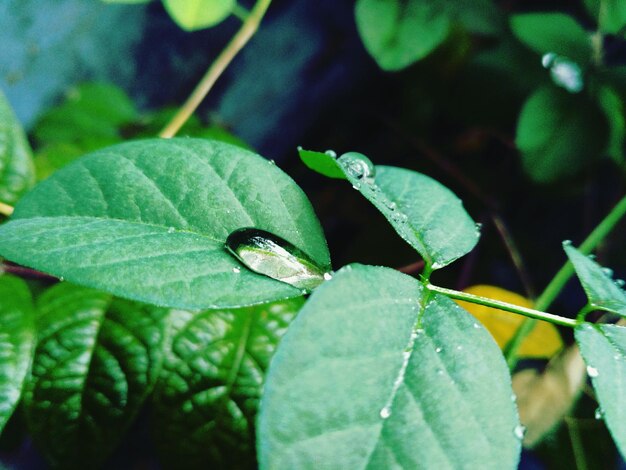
519 431
459 348
478 227
620 282
299 148
357 165
236 270
271 162
385 412
599 414
331 153
567 243
171 230
592 371
328 276
513 398
548 59
592 257
61 278
608 272
477 326
438 350
439 371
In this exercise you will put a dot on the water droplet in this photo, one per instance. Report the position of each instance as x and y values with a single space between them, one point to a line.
599 414
357 165
299 148
61 278
592 257
438 350
328 276
548 59
608 272
592 371
620 282
273 256
519 431
419 331
236 270
459 348
271 162
477 326
478 226
392 206
513 398
564 72
567 243
331 153
385 412
439 371
171 230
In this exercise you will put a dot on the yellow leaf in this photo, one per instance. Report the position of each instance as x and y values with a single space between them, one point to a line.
543 341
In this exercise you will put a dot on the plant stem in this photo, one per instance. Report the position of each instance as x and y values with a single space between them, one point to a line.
6 209
528 312
238 41
555 286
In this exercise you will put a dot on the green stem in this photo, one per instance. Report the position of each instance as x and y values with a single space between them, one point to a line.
528 312
555 286
250 25
6 209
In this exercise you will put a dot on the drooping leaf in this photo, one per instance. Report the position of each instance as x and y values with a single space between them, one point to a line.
358 383
192 15
17 338
602 291
559 134
96 361
604 349
544 341
148 221
324 163
613 108
426 214
399 33
208 392
17 172
553 32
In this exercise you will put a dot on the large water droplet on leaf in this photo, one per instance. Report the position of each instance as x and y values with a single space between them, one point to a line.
357 165
268 254
564 72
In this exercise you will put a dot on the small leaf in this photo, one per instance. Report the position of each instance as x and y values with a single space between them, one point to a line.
148 220
426 214
553 32
399 33
355 383
95 363
208 392
601 289
611 14
17 172
613 108
192 15
559 134
325 163
544 341
604 349
17 338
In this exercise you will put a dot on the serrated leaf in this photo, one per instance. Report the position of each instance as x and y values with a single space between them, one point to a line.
399 33
323 163
604 349
148 221
602 291
17 172
544 340
208 392
553 32
95 362
426 214
192 15
17 338
613 108
559 134
354 384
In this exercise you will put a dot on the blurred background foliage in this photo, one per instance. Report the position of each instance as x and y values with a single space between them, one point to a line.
517 106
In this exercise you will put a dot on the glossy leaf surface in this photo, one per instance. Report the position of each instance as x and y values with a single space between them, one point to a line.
192 15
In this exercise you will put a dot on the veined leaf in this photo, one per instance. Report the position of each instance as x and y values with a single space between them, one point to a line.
208 392
365 379
96 361
602 291
17 338
192 15
604 349
148 220
17 172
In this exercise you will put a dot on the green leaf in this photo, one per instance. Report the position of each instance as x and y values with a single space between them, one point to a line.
207 396
192 15
613 108
604 349
601 289
477 16
95 363
399 33
426 214
17 172
559 134
357 383
325 163
17 338
148 221
611 14
553 32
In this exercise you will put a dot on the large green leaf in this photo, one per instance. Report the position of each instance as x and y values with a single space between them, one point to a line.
363 380
192 15
603 292
398 33
426 214
559 134
17 172
208 392
148 220
17 337
96 361
604 349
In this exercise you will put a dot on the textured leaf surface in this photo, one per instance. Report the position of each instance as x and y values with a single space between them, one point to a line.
559 134
208 393
17 172
354 384
192 15
95 362
148 220
604 349
398 33
426 214
602 291
17 337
